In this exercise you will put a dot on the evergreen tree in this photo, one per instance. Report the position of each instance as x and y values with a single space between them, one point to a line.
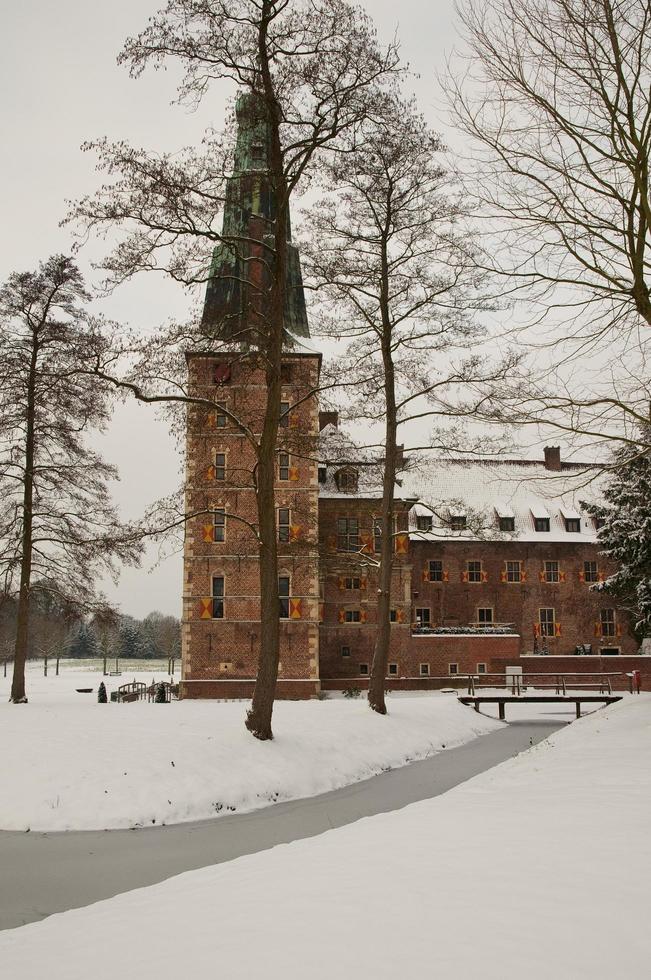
159 697
101 694
625 534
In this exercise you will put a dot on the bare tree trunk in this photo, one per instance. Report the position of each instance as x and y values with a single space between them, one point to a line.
377 681
18 695
258 719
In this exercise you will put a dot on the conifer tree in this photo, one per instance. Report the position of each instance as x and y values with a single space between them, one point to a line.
101 694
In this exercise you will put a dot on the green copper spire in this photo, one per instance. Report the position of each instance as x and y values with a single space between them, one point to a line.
238 284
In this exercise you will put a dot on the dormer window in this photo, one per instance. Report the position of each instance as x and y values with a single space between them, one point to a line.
347 480
458 522
424 522
286 372
507 523
541 524
573 525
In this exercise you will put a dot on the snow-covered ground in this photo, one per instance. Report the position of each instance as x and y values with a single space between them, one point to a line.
77 764
539 868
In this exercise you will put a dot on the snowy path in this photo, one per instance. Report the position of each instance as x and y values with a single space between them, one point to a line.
47 873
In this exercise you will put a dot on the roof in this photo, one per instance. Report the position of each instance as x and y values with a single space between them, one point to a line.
487 489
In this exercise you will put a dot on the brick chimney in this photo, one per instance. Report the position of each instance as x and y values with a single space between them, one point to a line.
328 418
553 458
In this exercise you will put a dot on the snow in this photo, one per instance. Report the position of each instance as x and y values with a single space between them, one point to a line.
538 868
81 765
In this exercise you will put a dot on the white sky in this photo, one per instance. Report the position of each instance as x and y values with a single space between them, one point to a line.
61 86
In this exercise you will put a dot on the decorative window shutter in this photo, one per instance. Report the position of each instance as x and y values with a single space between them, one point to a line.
400 616
205 608
597 629
295 532
293 472
557 629
523 576
331 542
208 532
601 576
402 544
367 542
210 472
536 629
362 615
342 583
363 582
446 576
561 576
618 630
295 609
484 576
541 576
581 576
211 420
464 576
425 575
342 615
503 577
321 611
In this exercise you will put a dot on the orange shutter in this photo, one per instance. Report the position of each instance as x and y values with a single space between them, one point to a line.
362 615
321 611
342 615
484 576
367 542
464 576
208 532
400 616
294 421
597 629
446 577
536 629
523 577
402 544
342 583
562 576
503 577
295 609
363 582
425 575
295 532
211 420
331 542
601 576
293 472
618 630
210 473
581 576
541 576
557 629
205 608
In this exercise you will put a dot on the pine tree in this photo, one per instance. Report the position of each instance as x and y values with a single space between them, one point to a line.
101 694
159 697
625 534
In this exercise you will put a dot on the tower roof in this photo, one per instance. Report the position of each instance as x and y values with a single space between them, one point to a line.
240 272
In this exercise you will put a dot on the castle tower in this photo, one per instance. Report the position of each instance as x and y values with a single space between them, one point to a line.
221 605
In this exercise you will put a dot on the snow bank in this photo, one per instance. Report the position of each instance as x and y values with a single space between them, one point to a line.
538 868
81 765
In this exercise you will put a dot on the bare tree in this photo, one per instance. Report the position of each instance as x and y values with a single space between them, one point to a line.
556 97
390 250
308 70
57 525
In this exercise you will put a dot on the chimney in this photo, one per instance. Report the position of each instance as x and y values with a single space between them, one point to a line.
328 418
553 458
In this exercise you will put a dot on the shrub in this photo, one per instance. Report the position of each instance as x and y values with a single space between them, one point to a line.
101 694
352 692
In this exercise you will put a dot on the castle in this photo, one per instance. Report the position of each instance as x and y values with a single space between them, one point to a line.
493 559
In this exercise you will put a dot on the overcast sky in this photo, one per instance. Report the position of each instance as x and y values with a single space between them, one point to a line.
61 86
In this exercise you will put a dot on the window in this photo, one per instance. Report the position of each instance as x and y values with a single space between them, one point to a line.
590 571
547 622
345 651
485 615
283 466
458 522
507 523
607 617
283 524
363 669
424 670
218 597
283 596
286 373
423 616
424 522
551 572
481 668
220 466
221 420
514 571
346 480
609 651
323 474
541 524
573 525
351 582
436 571
283 421
453 669
473 569
393 670
352 616
222 374
599 522
393 615
377 534
347 534
219 525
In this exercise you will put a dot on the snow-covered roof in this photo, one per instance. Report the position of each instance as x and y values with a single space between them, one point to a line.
485 490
